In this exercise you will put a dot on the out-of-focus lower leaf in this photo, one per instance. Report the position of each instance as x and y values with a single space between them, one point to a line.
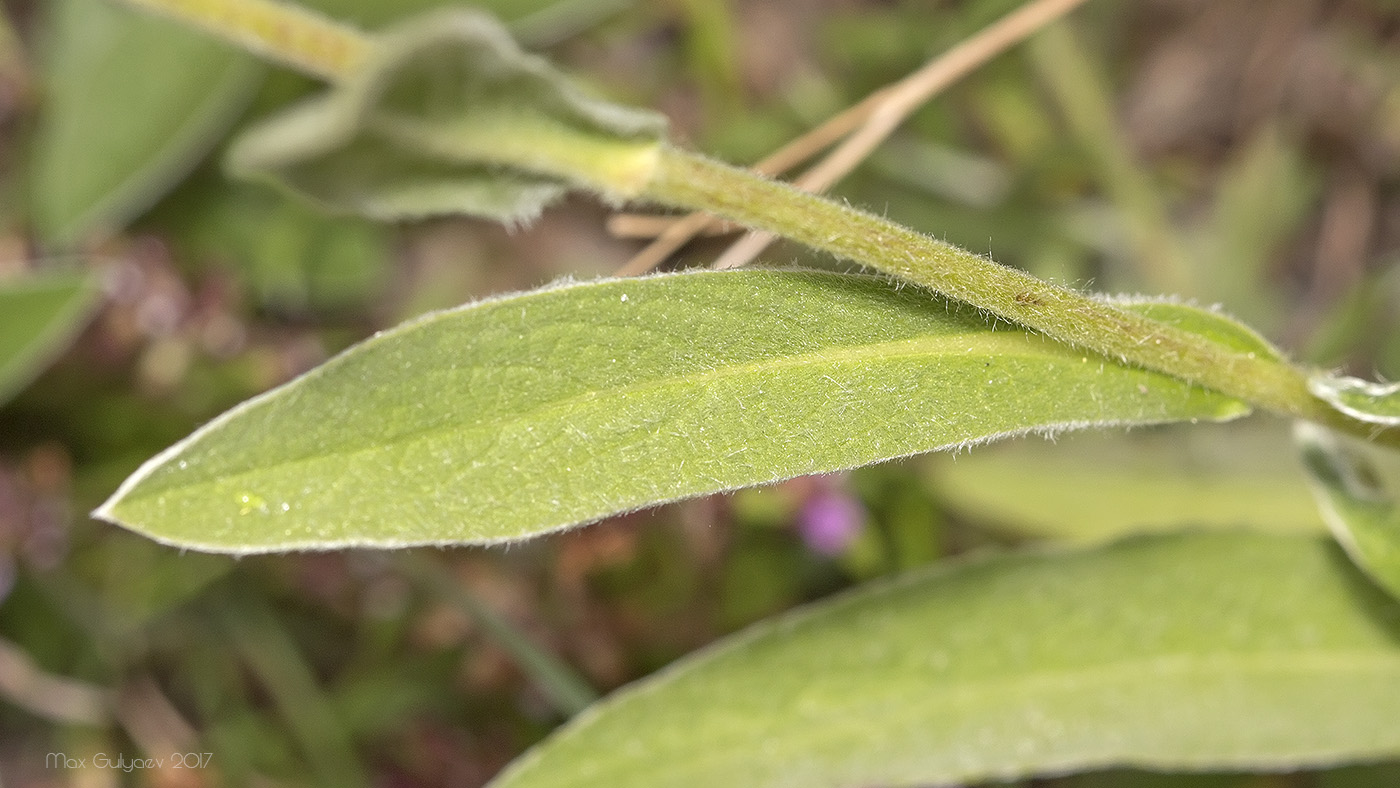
1138 778
39 315
1358 504
1382 775
131 104
449 116
529 413
1094 487
1188 652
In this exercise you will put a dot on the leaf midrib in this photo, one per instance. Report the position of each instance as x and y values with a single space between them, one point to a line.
916 347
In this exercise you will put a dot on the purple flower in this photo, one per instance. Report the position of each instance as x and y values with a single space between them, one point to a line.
829 521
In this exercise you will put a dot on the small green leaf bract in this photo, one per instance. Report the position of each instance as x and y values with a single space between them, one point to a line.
1374 403
449 116
1220 328
1357 504
534 412
1222 652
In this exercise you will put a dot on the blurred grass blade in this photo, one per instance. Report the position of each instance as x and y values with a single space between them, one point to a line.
1355 501
1084 97
569 693
131 103
269 651
1374 403
1188 652
450 116
529 413
1265 192
39 315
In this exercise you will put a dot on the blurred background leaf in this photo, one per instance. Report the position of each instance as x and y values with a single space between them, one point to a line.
131 104
39 315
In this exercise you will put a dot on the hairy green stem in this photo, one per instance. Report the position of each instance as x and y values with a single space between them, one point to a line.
288 34
690 181
311 43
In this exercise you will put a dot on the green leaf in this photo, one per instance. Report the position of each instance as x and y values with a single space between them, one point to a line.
1186 652
131 104
449 116
1356 501
39 316
1092 487
1222 329
534 412
1374 403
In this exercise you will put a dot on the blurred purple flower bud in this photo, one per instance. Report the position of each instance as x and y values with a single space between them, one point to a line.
829 521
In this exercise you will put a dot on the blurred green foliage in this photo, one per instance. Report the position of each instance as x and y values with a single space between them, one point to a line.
1263 145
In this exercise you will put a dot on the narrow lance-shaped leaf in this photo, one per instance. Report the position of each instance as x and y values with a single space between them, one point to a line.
530 413
450 116
1357 503
39 315
1221 652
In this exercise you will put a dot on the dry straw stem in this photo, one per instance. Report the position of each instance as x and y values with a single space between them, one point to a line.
641 225
151 720
872 120
646 226
671 234
52 697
